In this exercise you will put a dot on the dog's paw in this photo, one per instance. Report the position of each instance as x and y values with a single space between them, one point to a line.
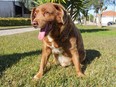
80 74
37 76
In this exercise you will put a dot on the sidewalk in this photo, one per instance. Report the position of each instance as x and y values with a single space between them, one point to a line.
16 31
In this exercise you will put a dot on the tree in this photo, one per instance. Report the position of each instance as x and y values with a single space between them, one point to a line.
87 4
74 7
91 17
113 3
99 8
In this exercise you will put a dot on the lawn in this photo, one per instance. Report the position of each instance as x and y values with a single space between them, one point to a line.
20 56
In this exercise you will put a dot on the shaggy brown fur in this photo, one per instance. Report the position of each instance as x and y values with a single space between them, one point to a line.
61 38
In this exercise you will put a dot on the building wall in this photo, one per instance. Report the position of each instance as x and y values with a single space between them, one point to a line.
7 9
106 19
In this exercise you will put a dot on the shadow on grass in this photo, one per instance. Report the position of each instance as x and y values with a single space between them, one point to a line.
90 56
7 61
92 30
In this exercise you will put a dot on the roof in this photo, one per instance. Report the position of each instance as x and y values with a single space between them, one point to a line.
109 13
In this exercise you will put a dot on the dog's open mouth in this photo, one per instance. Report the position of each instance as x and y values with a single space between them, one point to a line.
44 31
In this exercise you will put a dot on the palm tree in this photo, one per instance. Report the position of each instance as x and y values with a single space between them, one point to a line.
99 8
99 11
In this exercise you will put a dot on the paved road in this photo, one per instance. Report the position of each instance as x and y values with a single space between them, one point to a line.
113 25
15 31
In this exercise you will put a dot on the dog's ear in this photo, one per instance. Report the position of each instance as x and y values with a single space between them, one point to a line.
59 13
33 15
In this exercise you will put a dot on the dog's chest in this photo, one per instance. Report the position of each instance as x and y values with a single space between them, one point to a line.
64 60
54 46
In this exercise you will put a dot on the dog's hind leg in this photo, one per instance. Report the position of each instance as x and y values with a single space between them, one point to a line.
82 56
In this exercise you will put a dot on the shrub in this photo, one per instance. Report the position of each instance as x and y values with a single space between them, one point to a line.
14 21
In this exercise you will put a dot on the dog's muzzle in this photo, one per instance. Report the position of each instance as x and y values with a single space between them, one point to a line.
34 24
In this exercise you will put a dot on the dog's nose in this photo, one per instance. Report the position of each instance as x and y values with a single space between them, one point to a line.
34 23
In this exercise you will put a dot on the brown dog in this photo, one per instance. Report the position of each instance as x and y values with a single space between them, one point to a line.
59 35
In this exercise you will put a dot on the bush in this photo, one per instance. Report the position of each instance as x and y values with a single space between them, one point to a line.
14 21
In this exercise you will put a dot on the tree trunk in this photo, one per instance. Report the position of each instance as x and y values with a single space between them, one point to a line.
95 19
85 21
100 19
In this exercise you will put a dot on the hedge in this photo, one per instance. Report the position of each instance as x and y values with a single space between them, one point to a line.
14 21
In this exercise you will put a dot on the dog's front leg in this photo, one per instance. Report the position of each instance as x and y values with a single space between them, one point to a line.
45 55
76 62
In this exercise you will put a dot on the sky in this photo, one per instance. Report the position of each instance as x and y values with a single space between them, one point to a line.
109 7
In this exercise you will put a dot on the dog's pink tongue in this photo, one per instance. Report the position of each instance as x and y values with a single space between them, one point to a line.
41 35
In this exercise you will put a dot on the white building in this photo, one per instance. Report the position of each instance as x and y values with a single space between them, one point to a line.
108 16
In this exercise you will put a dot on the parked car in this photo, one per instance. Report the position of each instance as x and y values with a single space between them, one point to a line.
111 23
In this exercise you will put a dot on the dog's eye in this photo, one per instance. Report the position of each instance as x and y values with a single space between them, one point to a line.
47 13
37 11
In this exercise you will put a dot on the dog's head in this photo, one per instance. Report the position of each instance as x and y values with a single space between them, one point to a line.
45 15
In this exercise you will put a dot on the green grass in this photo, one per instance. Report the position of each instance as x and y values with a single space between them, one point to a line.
20 57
